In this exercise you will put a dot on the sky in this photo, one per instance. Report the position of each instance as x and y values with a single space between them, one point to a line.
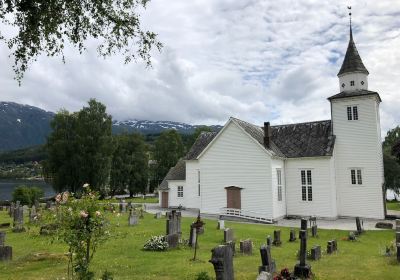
255 60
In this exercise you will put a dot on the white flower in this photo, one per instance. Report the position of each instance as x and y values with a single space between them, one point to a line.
83 214
86 185
98 213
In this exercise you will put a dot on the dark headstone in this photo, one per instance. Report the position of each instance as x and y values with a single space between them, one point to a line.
269 241
228 235
316 252
2 238
277 238
222 260
302 269
352 236
303 225
292 237
360 229
5 225
384 225
246 247
173 240
221 224
313 221
397 225
267 263
314 231
331 247
5 253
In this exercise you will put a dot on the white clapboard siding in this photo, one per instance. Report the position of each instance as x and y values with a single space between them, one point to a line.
279 207
235 159
358 144
173 199
192 199
323 190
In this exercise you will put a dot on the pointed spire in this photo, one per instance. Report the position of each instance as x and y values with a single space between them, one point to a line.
352 61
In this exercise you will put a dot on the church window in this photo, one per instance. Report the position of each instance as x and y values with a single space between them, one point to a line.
306 185
343 85
180 191
352 113
279 183
349 113
356 176
352 83
198 182
355 113
362 83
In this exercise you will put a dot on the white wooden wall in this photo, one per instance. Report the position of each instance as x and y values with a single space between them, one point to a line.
173 199
358 144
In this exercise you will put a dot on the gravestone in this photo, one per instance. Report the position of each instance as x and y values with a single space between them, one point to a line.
313 221
222 260
303 225
5 225
32 214
36 204
18 221
267 263
5 253
269 240
11 210
292 237
316 252
277 238
232 244
192 236
122 207
359 225
331 247
302 269
158 215
129 206
397 225
141 213
228 235
133 218
48 204
173 223
314 231
221 224
246 247
172 240
2 238
264 276
352 236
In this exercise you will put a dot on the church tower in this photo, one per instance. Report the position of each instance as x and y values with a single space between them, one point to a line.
358 148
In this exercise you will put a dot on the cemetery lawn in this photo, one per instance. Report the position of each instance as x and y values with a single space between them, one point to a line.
393 205
36 257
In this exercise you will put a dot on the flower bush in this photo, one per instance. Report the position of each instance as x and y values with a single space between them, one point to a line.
83 227
156 243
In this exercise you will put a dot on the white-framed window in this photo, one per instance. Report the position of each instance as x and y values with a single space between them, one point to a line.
356 176
198 182
306 185
279 183
352 113
351 83
180 191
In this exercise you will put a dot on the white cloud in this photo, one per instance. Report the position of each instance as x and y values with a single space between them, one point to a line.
253 59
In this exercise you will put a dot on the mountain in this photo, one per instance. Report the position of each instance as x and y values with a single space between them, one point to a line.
23 126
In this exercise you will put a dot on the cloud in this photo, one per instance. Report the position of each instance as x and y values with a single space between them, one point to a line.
252 59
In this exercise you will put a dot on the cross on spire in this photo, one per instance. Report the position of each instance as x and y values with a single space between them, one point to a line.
351 31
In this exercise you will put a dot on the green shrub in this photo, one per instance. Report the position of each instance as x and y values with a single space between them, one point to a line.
107 276
156 243
27 195
202 276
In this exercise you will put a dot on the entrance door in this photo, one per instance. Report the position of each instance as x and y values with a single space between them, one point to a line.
233 198
164 199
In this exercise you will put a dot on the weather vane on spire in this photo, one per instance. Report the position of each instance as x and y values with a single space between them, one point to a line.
349 8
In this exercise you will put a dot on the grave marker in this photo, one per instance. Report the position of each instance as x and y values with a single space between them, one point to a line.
302 269
228 235
359 225
133 218
314 231
18 225
2 238
269 240
267 263
222 260
316 252
277 238
221 224
158 215
292 237
173 222
192 236
246 247
173 240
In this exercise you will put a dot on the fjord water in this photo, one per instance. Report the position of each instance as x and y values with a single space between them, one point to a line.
7 187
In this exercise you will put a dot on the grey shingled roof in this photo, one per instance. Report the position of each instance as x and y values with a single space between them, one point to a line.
200 144
352 61
178 172
311 139
354 93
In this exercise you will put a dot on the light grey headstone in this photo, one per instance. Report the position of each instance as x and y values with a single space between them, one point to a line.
158 215
192 236
264 276
133 219
221 224
228 235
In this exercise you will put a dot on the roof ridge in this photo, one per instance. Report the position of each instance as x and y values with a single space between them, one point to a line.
254 125
301 123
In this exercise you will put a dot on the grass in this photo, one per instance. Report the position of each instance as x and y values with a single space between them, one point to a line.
36 257
393 205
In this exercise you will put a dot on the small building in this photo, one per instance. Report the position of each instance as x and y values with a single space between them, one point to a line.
330 168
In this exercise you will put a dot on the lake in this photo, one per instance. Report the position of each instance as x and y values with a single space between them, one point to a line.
7 187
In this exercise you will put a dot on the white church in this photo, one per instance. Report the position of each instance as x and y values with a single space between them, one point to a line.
329 169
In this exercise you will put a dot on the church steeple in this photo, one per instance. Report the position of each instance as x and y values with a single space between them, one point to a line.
352 75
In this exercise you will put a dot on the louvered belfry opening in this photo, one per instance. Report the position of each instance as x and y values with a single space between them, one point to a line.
233 197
